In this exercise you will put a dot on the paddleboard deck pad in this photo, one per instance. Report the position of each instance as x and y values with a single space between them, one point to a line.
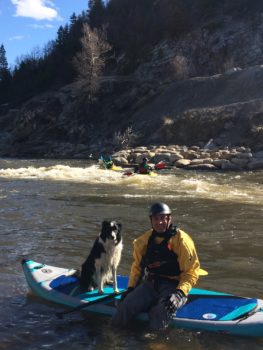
205 310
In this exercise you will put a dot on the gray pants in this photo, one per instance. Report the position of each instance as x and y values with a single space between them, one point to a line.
146 298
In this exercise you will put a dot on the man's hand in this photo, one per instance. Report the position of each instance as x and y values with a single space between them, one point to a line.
124 295
174 301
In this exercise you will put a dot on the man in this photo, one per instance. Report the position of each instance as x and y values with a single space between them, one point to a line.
143 167
106 162
164 270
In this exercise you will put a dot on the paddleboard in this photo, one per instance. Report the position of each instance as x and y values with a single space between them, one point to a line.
205 310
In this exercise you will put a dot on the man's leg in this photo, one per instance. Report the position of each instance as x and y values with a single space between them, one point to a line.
137 301
158 315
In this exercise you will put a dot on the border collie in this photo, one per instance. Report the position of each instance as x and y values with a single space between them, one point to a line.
104 258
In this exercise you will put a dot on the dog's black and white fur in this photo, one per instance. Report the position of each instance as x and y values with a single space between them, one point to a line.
104 258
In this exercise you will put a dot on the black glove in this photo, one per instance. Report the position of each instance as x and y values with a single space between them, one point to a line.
174 302
128 290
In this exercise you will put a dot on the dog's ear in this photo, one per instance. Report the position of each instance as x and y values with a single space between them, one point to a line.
105 223
119 226
104 230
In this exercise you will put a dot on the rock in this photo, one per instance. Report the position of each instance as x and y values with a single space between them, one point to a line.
197 161
120 160
181 163
201 167
123 153
162 156
225 154
245 155
190 154
175 156
255 164
140 149
240 162
230 166
219 162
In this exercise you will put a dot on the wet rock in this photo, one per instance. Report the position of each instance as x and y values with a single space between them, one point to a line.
181 163
201 167
255 164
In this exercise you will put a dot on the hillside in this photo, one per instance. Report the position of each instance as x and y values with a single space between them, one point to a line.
205 85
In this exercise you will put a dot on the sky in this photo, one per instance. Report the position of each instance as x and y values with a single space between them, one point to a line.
29 24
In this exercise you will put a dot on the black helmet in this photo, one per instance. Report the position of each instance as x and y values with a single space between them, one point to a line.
159 208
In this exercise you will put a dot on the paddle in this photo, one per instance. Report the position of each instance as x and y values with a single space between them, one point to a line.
83 306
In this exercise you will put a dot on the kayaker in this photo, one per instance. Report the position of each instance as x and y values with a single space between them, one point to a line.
143 167
164 269
106 163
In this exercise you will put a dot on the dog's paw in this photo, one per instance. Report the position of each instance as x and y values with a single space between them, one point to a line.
100 291
116 290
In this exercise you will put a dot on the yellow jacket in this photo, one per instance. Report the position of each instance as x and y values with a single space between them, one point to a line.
182 245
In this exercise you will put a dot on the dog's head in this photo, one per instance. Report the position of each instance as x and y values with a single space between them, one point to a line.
111 230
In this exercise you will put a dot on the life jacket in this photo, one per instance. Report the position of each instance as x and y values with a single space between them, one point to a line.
160 165
144 169
160 259
108 164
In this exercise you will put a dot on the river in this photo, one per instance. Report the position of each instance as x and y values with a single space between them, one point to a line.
51 211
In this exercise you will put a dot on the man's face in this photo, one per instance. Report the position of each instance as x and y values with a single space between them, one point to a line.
161 222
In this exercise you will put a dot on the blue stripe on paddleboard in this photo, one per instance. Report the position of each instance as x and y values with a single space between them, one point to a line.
195 291
239 312
69 285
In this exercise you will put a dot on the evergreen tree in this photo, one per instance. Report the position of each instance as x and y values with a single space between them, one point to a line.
62 35
73 20
5 76
3 62
96 13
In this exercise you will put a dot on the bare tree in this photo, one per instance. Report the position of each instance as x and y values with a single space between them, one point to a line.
90 61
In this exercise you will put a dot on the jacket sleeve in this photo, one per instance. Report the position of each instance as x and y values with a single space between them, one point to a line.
139 249
188 261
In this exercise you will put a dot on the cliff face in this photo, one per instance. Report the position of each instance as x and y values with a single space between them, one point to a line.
207 85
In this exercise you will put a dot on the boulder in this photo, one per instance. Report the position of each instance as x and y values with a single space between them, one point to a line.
255 164
181 163
201 167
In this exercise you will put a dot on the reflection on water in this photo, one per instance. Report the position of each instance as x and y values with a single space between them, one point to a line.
52 211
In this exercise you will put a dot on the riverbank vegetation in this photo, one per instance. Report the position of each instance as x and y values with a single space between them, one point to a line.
133 29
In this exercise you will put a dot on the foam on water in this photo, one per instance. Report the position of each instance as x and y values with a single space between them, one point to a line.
206 185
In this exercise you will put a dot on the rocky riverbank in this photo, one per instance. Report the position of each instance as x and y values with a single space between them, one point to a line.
194 158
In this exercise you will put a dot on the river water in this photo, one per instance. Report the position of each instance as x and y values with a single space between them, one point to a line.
51 212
